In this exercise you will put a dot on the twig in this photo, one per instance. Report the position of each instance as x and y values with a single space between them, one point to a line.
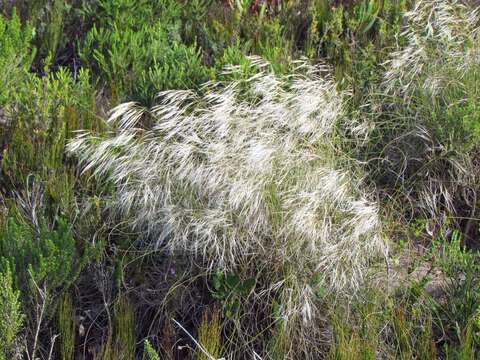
52 345
43 296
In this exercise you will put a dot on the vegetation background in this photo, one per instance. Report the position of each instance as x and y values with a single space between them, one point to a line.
239 179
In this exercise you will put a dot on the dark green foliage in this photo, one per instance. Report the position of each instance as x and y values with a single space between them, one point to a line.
231 291
49 17
356 37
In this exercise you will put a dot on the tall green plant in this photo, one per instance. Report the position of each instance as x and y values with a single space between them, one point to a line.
45 112
66 326
16 56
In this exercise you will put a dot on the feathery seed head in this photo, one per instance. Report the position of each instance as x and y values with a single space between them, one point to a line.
238 178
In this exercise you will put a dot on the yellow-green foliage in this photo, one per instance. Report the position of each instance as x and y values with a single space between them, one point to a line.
389 327
15 56
124 330
121 343
402 333
66 327
139 50
11 317
150 351
44 114
107 352
210 335
425 346
357 337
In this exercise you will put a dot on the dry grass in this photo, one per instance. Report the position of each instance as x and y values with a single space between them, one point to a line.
431 94
249 178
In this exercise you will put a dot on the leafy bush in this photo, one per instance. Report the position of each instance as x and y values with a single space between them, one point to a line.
240 182
16 56
40 254
142 54
44 114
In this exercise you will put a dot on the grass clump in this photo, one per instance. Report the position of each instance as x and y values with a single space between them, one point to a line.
209 336
426 116
124 327
436 74
66 325
239 180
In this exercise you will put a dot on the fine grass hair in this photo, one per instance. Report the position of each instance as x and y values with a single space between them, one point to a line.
249 178
431 100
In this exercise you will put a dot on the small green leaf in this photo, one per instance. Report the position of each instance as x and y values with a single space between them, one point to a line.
232 281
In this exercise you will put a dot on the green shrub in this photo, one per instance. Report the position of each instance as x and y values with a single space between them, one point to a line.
256 34
234 56
45 112
460 268
426 115
39 253
434 78
355 37
49 17
138 49
16 56
11 317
